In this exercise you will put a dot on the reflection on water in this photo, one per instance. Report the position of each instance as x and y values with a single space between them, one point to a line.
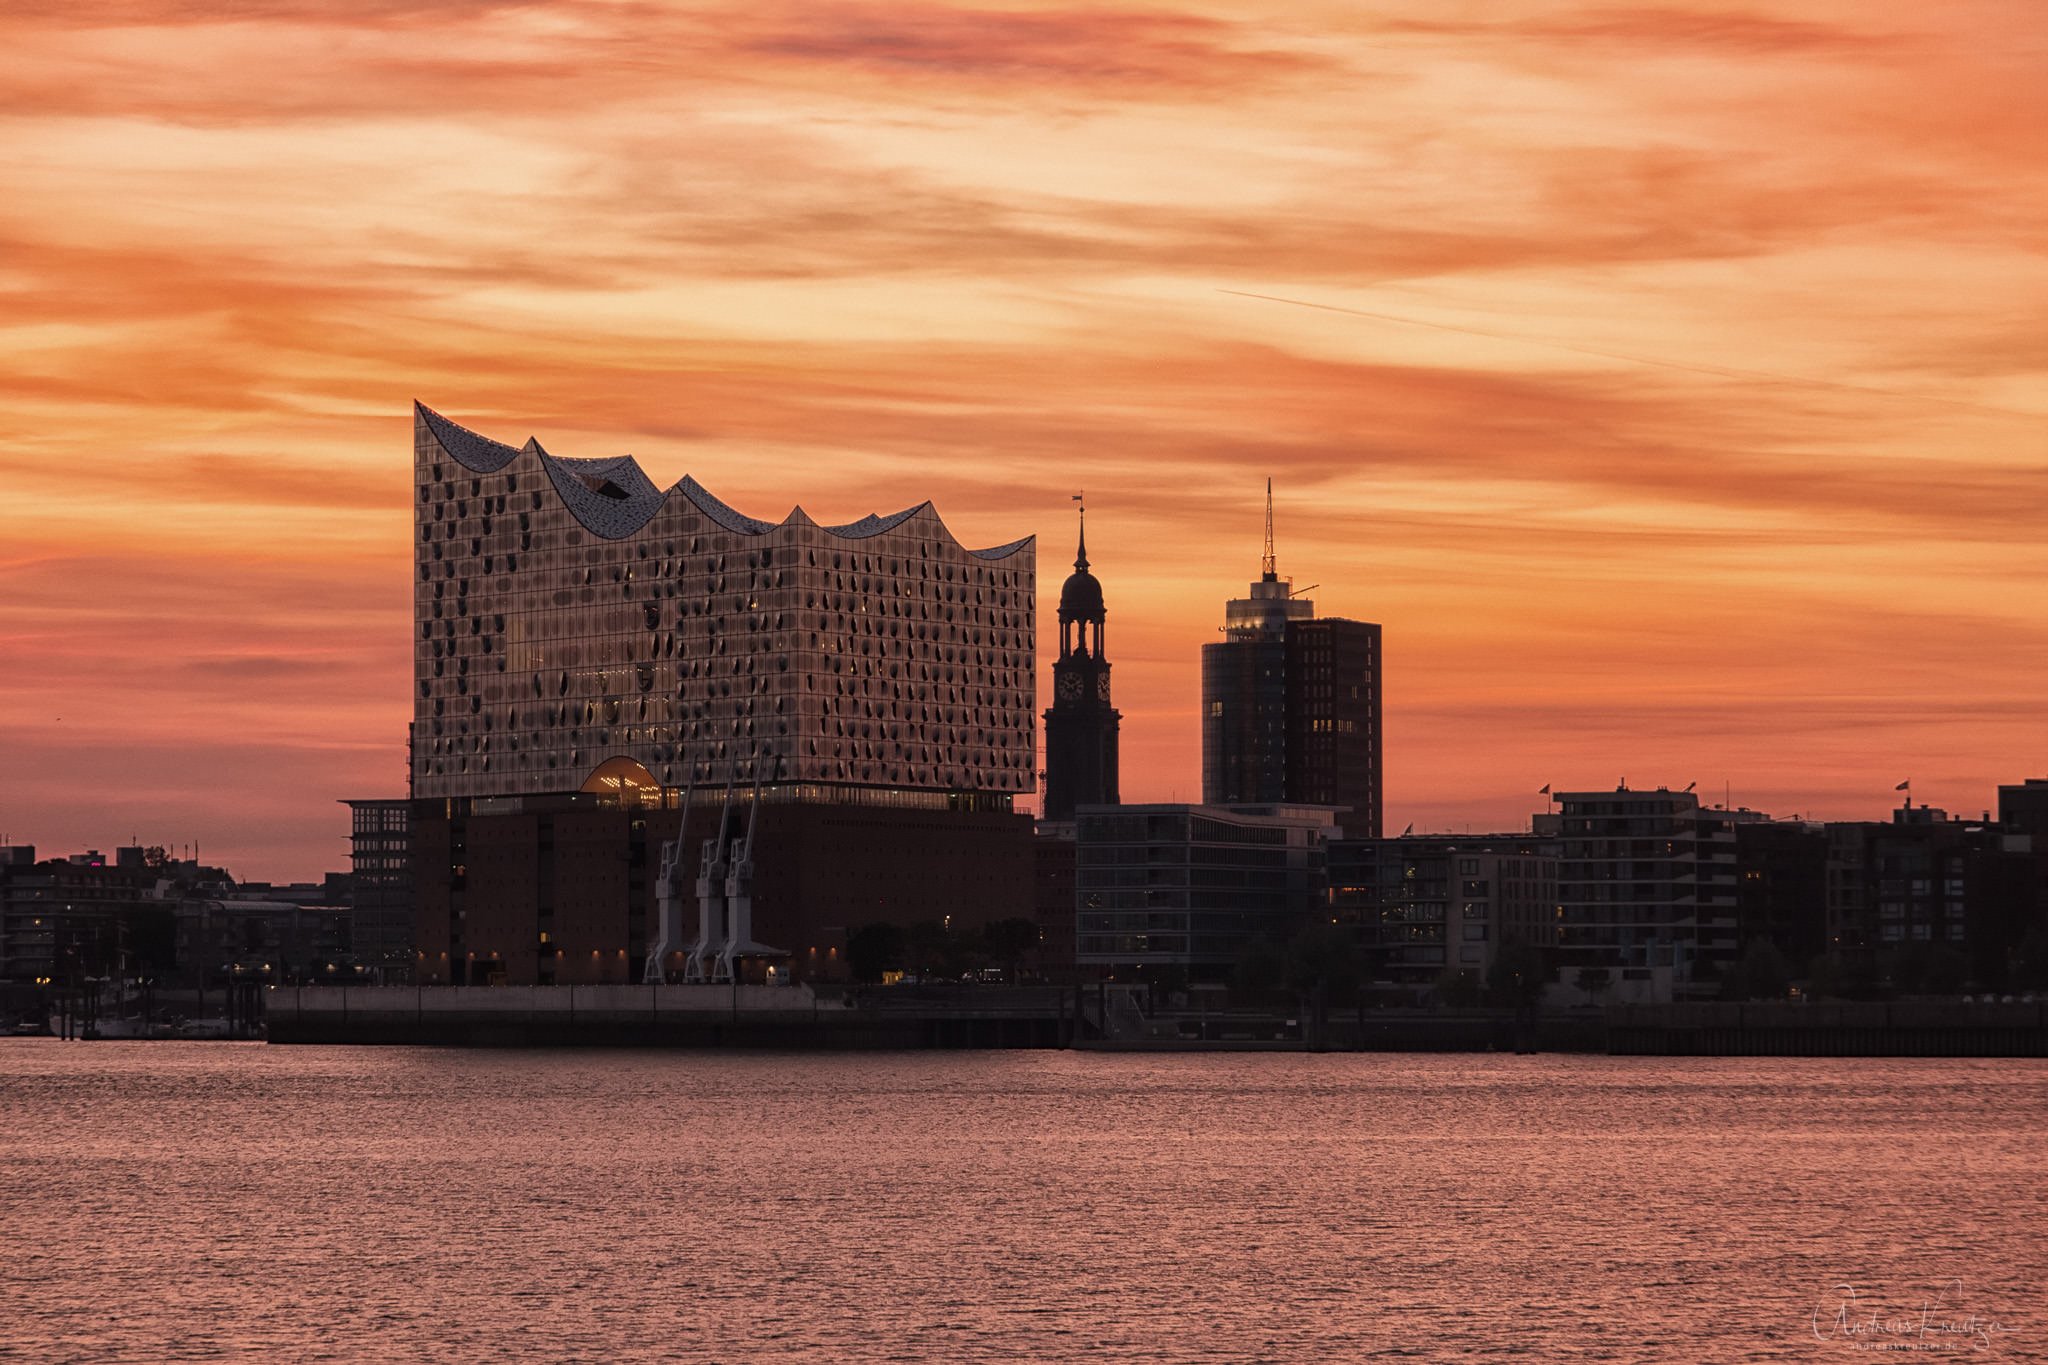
176 1201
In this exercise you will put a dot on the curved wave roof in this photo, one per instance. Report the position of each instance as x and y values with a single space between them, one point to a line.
614 498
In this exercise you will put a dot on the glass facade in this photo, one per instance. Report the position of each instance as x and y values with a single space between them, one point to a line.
1244 722
1645 880
1425 903
1333 719
381 892
1190 886
567 612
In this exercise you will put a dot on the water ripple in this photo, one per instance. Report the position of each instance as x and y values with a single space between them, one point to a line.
191 1202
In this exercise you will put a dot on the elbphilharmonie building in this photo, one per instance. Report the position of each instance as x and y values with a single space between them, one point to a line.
598 660
570 613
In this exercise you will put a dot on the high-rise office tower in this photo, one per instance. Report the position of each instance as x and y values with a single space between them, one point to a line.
1333 719
1081 725
1291 704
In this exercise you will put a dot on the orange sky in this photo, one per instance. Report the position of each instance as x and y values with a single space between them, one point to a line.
1687 421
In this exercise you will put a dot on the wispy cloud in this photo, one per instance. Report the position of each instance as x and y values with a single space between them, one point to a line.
1673 28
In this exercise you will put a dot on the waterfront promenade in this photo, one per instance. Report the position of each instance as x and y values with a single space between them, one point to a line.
1115 1018
797 1017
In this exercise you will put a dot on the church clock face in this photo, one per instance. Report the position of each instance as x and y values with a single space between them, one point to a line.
1070 687
1102 686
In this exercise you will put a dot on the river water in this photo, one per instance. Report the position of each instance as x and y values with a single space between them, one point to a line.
196 1201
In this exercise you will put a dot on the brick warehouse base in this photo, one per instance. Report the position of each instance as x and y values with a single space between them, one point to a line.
582 873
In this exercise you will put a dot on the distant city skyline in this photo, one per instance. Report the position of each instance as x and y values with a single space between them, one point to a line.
1669 389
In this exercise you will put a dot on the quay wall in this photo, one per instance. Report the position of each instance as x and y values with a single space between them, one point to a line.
839 1018
1901 1028
792 1017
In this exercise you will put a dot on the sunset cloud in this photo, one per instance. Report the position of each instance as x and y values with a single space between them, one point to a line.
1666 378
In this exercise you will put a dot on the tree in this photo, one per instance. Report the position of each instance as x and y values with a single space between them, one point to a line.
152 937
1762 973
1163 981
1518 974
872 950
1906 969
1825 976
1833 975
1595 981
1256 976
1459 987
1008 940
2030 962
1323 969
928 950
1324 955
1947 971
1927 969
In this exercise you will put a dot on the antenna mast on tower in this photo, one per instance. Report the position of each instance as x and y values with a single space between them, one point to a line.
1269 567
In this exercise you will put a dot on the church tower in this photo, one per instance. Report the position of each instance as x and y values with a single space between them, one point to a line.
1081 725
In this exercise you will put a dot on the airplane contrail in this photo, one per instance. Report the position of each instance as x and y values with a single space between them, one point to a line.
1717 371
